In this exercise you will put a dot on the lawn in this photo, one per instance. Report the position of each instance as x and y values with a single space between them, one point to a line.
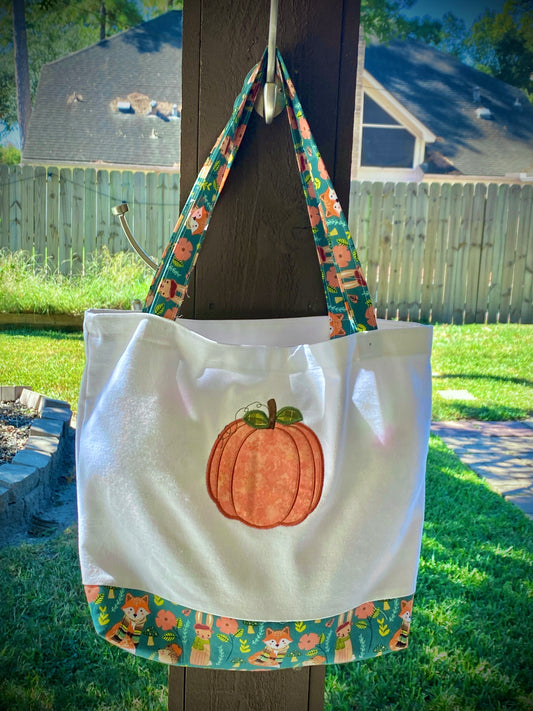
472 628
494 363
471 632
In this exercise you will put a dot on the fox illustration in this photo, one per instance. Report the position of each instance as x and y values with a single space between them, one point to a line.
276 645
197 220
127 632
331 201
335 325
400 639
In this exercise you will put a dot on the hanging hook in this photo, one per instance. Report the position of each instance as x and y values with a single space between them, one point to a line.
271 89
120 211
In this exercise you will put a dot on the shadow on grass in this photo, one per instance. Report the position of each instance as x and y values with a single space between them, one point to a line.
487 413
482 376
471 631
59 334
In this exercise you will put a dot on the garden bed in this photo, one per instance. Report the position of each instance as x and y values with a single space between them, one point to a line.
29 473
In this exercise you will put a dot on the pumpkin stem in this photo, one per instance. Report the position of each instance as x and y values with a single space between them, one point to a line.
271 404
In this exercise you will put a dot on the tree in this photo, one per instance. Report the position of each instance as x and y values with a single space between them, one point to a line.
55 28
154 8
22 72
501 44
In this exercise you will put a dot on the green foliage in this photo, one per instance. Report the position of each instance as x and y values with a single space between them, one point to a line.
9 155
501 44
54 29
110 281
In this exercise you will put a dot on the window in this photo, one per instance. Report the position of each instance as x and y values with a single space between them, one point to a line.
385 142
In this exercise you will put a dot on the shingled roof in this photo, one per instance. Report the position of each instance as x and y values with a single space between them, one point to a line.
81 113
439 90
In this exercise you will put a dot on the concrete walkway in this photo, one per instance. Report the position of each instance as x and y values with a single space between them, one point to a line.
500 452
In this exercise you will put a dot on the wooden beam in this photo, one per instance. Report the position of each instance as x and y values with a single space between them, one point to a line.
259 260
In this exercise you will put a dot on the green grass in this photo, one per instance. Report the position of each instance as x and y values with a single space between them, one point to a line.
110 281
470 637
472 624
492 362
49 362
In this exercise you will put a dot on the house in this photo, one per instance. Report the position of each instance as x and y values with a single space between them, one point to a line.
115 104
421 111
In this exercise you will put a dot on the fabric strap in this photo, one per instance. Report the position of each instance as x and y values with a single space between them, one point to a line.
348 301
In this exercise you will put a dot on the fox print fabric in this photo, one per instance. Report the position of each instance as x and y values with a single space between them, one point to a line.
150 627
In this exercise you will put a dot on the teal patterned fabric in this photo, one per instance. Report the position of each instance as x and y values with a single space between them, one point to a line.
349 304
154 628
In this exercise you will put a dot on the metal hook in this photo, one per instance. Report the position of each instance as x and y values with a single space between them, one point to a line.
120 211
270 88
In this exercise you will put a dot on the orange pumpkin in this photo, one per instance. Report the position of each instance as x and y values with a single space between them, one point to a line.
266 470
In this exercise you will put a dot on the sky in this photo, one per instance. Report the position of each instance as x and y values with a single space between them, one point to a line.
468 10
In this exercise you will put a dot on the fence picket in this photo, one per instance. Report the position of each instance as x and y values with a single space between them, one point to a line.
103 209
153 216
115 240
52 218
419 244
396 249
65 222
451 275
407 251
373 240
434 251
462 242
139 190
527 297
499 229
509 253
27 210
385 241
523 246
486 253
39 205
4 206
126 195
15 211
429 250
77 219
473 253
90 228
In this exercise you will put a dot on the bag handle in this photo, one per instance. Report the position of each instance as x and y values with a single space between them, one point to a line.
349 304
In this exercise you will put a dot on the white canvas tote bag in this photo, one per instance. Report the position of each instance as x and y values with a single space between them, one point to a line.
251 493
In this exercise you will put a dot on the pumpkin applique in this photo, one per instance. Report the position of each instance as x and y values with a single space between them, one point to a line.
266 470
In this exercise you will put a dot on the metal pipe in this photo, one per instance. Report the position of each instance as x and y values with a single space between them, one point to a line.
120 211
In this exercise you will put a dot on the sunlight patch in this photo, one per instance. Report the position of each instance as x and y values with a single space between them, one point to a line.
456 394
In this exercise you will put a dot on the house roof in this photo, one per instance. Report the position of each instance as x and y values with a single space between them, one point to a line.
76 117
439 90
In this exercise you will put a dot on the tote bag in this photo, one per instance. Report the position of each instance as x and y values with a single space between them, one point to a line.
251 492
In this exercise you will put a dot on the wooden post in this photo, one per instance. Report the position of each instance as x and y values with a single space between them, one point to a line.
258 259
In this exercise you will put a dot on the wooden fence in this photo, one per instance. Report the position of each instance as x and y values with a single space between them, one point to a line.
440 252
64 214
446 252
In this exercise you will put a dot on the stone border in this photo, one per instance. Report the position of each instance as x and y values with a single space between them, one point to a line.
28 481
